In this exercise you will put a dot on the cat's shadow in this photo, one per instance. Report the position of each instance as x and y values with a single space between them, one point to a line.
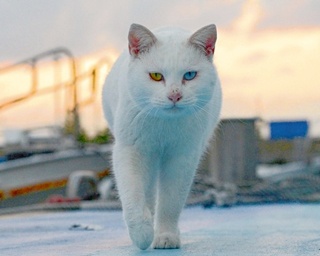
186 249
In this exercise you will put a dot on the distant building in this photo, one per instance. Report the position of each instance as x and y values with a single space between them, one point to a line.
233 154
288 142
288 130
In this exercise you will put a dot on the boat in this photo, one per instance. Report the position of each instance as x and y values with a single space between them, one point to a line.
38 168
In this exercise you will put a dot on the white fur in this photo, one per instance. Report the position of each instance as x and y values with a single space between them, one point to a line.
158 146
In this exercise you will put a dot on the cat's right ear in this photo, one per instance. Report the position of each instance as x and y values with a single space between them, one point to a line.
140 39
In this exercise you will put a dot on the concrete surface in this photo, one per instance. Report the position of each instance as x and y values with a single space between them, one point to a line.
285 229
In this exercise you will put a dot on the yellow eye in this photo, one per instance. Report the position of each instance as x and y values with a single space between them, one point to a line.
156 76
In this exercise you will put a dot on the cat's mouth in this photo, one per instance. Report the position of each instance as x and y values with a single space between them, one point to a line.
174 108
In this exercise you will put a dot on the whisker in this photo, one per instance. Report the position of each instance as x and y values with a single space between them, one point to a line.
203 110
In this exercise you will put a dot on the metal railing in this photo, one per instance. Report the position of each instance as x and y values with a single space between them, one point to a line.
32 62
71 85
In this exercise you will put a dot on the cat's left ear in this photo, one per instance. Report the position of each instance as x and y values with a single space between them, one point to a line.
140 39
205 39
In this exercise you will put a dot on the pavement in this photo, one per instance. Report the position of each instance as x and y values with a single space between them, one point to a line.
259 230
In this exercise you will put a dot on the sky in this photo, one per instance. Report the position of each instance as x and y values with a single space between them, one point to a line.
267 53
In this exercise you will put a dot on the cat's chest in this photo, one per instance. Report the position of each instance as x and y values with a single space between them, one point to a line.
162 132
153 131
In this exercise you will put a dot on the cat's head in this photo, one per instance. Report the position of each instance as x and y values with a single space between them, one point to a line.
171 70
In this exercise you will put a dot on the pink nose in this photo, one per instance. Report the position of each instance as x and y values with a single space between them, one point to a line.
175 97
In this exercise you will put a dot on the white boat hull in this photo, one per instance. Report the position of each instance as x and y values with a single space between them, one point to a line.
31 180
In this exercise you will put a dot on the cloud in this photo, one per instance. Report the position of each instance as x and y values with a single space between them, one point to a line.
291 14
251 14
277 67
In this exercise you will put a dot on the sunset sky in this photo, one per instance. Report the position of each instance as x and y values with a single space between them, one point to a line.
267 53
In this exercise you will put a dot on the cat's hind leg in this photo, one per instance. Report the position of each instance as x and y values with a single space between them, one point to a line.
134 181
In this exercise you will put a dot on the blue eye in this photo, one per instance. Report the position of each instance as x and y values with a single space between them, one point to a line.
189 75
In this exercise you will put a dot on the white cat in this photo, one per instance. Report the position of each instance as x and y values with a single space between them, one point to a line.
162 101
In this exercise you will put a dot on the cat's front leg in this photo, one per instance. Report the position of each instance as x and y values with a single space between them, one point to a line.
174 184
134 181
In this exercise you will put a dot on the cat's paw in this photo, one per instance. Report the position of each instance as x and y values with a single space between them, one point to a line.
166 241
141 232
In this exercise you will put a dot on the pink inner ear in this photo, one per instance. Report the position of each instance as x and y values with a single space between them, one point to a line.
210 46
134 45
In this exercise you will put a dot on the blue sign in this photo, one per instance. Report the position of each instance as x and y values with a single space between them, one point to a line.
289 129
